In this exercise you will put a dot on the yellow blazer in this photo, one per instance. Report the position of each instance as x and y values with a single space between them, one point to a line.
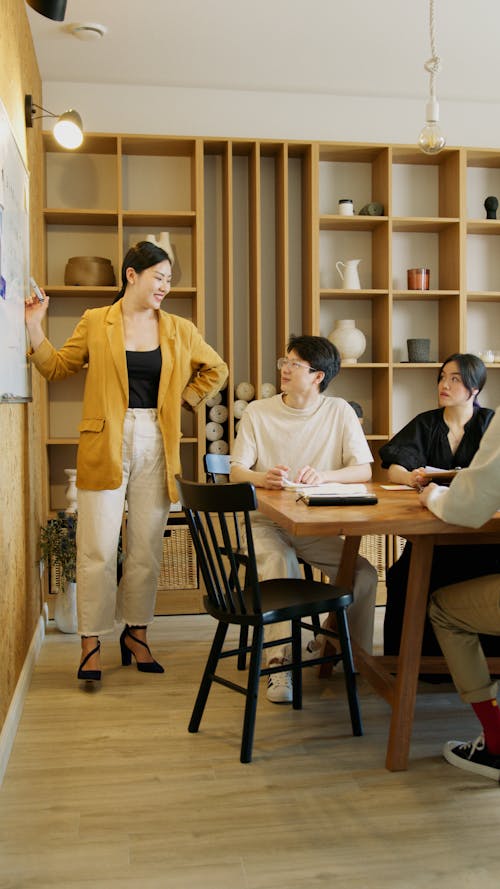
191 370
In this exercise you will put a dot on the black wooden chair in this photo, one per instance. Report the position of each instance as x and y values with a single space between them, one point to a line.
217 470
230 600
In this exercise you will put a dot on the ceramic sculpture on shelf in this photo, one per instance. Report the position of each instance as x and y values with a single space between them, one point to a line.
245 391
358 410
239 406
268 390
349 340
218 413
372 209
491 207
71 491
213 431
214 399
218 447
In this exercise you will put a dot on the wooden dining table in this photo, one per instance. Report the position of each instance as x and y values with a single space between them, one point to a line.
397 512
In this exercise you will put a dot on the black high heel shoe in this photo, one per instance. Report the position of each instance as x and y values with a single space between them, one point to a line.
144 667
89 675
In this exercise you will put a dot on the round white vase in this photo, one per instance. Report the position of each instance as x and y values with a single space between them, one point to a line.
65 609
349 340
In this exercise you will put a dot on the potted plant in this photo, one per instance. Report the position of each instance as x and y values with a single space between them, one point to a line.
58 549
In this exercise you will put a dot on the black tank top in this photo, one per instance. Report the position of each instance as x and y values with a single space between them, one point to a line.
144 370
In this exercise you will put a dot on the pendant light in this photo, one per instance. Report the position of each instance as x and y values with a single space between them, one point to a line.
431 139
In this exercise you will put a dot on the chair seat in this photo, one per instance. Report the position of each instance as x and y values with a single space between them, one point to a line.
284 599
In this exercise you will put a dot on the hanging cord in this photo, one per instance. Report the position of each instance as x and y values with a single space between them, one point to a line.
432 65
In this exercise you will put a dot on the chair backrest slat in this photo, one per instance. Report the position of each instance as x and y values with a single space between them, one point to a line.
219 551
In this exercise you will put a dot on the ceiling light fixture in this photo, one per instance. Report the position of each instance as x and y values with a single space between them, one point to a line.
88 31
68 129
431 139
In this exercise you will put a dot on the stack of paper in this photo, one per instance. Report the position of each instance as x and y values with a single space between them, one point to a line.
328 489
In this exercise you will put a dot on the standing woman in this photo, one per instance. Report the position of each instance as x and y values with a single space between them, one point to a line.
445 438
143 364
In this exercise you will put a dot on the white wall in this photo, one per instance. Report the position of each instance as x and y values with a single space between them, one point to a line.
195 112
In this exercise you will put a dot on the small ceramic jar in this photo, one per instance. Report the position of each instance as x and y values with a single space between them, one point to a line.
346 207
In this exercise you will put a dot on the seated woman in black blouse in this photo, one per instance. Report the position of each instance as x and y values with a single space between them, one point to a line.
446 438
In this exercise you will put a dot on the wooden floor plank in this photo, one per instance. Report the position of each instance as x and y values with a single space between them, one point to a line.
108 789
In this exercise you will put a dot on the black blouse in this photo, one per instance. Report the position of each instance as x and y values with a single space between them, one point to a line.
424 441
144 369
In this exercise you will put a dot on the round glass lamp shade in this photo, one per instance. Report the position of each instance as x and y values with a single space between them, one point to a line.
68 129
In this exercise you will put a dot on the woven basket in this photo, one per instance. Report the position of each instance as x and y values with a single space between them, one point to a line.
179 569
373 548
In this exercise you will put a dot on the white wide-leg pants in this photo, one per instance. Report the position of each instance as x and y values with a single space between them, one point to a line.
276 553
100 513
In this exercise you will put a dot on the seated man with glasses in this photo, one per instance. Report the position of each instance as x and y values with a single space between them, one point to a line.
304 436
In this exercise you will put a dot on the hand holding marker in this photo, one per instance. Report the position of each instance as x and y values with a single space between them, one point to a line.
36 290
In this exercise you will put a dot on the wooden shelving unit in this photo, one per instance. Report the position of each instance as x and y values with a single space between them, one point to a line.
256 235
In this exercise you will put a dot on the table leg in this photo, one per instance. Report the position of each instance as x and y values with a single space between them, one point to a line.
403 706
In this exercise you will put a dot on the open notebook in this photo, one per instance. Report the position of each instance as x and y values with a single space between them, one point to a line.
333 494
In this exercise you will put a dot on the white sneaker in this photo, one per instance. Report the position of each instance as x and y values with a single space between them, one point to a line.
279 688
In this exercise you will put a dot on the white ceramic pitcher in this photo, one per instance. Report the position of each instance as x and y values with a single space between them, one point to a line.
350 274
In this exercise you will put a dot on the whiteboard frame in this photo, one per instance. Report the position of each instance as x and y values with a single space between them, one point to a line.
15 367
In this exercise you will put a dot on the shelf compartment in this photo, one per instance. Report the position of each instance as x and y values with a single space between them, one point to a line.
439 323
361 175
156 182
82 180
65 241
369 386
424 186
483 326
371 317
482 262
434 249
413 393
136 227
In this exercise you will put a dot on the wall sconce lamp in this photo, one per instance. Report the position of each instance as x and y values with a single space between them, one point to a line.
431 139
68 129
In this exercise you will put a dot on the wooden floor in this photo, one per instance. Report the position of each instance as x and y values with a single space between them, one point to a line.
107 790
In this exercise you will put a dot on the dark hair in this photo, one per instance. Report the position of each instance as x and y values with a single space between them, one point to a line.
140 257
472 371
319 352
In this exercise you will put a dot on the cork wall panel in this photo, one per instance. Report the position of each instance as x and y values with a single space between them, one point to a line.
22 472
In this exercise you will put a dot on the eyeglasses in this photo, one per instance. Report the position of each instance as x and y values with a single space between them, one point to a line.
287 362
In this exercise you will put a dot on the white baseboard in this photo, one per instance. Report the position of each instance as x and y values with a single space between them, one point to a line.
14 713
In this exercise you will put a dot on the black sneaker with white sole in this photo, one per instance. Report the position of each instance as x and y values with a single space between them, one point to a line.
473 756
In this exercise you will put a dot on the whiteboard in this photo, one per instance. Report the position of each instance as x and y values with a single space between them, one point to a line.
15 369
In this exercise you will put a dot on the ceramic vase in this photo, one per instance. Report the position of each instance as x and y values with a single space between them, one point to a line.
349 340
71 491
65 609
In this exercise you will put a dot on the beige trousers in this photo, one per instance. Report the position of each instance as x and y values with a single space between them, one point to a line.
100 513
458 613
277 552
